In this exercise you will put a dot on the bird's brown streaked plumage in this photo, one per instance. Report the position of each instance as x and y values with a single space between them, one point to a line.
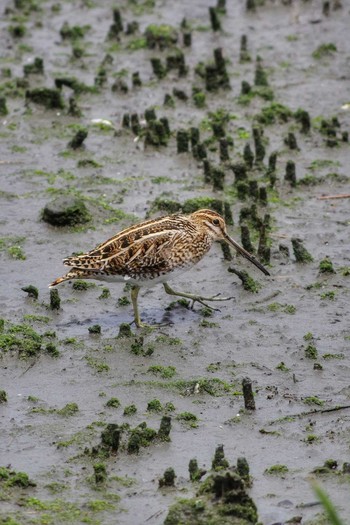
154 251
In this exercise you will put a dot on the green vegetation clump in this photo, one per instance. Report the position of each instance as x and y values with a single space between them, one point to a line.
154 406
31 290
311 351
249 284
160 36
188 418
76 85
130 410
52 350
105 294
66 211
220 499
123 301
281 366
333 356
94 329
277 469
166 372
17 31
300 252
324 50
313 400
99 365
70 409
16 252
11 478
273 113
68 32
330 295
48 97
3 396
326 266
21 338
113 403
199 99
141 436
285 308
80 285
12 245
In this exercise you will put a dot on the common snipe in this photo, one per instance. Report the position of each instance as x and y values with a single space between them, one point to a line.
153 252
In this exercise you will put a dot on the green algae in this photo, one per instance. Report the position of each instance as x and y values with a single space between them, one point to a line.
97 364
313 400
277 469
213 386
80 285
154 406
161 36
21 338
285 308
328 296
281 366
324 50
188 418
130 410
311 351
11 478
165 372
273 113
221 500
113 403
59 511
3 396
326 266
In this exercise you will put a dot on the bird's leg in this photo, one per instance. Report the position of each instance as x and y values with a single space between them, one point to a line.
139 324
195 298
134 294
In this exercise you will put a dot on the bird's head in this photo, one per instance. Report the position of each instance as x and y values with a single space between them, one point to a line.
213 223
216 227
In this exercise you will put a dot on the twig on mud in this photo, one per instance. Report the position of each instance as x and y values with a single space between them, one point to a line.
29 367
340 196
310 413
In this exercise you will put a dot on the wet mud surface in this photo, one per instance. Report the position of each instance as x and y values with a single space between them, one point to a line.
64 384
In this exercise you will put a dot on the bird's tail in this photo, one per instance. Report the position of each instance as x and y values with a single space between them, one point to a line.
75 273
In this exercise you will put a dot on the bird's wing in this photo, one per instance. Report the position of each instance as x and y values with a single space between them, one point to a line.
127 253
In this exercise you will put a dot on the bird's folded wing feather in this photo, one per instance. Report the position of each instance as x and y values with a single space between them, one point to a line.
151 250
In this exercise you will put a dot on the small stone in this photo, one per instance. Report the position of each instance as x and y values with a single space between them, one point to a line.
66 211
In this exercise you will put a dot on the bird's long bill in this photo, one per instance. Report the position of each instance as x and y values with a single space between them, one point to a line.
246 254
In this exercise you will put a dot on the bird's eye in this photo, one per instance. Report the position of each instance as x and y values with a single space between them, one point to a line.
216 222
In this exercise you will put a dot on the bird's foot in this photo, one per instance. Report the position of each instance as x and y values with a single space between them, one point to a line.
196 298
150 327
